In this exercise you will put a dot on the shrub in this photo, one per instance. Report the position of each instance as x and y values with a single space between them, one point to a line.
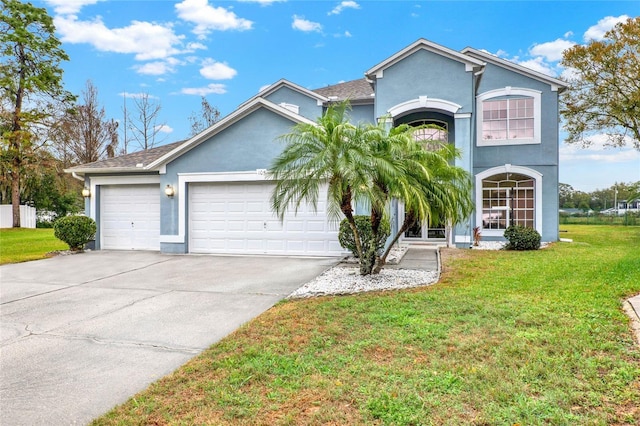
522 238
76 231
363 225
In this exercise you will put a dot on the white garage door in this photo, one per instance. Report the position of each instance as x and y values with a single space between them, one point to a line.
237 218
130 217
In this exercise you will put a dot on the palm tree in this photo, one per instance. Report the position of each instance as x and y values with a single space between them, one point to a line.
319 153
371 165
420 176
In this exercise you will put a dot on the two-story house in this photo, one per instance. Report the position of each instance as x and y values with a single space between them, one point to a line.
210 194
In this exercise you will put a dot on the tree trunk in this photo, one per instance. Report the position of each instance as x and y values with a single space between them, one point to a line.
408 222
369 261
15 197
347 211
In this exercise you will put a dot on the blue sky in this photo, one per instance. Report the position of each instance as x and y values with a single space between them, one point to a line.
177 51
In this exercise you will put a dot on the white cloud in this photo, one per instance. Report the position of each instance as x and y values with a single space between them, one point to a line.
208 18
600 151
262 2
69 7
596 32
568 34
213 70
158 67
347 34
301 24
144 39
538 64
551 50
346 4
213 88
192 47
265 87
129 95
163 128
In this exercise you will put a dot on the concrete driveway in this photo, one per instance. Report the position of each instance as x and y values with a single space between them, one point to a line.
81 333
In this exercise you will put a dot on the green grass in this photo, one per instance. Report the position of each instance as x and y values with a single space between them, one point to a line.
23 244
530 338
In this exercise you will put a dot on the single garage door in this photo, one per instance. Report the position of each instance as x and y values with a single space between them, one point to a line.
130 217
237 218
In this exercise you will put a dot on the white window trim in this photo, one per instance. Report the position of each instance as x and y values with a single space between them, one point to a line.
424 102
185 178
508 168
117 180
511 91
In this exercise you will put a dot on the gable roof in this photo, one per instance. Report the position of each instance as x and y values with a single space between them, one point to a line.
423 44
155 159
133 162
357 91
286 83
246 109
555 83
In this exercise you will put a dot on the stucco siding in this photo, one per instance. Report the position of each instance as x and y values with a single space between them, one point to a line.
308 107
248 144
362 114
424 73
545 153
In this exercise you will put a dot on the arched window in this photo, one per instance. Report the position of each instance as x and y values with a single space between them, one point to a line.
508 199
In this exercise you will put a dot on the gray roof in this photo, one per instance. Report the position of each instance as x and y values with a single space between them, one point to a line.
354 90
132 160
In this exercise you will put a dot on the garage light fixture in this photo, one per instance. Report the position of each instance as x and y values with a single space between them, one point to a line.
86 192
168 191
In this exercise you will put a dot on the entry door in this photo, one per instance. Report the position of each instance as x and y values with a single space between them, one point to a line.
421 231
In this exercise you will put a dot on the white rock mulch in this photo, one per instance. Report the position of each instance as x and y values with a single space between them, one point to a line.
346 280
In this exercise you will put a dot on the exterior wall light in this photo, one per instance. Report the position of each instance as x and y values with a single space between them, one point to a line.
168 191
86 192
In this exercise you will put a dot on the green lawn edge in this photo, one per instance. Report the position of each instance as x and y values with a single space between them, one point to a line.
504 338
25 244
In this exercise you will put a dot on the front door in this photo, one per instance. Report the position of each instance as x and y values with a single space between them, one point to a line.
421 231
424 232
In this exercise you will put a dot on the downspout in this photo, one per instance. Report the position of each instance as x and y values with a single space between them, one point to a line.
475 84
75 175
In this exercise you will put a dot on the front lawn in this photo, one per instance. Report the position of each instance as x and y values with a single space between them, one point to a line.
23 244
505 338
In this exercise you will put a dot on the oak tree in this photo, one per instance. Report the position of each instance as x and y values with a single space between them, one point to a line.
605 88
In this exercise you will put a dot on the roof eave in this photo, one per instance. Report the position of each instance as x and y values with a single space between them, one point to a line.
81 171
556 84
470 63
282 83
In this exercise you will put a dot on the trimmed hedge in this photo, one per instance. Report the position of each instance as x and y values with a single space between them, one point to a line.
363 225
522 238
76 231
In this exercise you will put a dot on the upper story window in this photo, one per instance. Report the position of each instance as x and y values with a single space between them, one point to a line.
436 132
509 116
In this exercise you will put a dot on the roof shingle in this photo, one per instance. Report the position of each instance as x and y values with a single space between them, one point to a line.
131 160
354 90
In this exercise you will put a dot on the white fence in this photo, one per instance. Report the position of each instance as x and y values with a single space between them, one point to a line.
27 216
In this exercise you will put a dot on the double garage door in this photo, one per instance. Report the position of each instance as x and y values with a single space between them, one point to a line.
237 218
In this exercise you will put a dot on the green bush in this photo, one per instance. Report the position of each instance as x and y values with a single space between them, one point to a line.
522 238
363 225
76 231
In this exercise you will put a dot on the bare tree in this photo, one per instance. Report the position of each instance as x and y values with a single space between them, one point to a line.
143 121
208 116
84 135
